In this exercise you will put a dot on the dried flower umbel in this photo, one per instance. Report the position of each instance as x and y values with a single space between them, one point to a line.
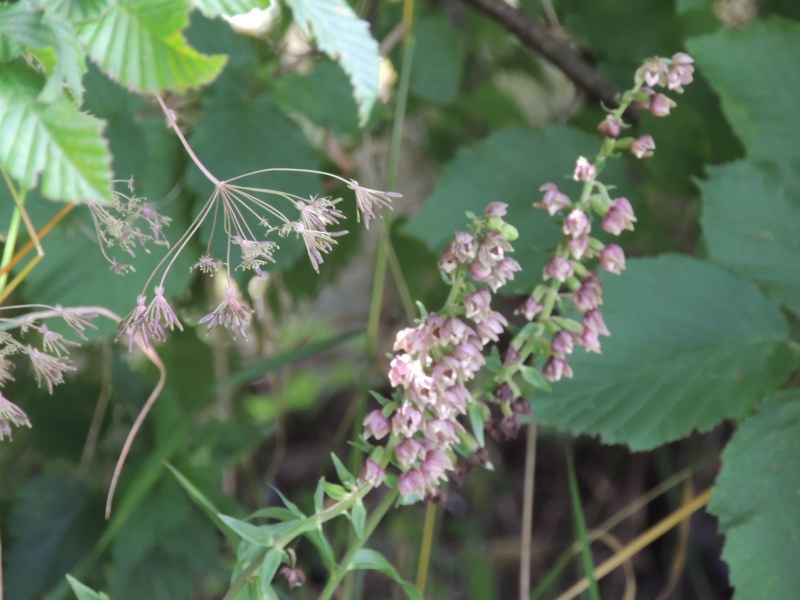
251 223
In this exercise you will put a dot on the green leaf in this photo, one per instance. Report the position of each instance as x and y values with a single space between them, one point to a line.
335 491
55 139
690 346
755 499
754 71
260 535
269 567
84 592
204 503
344 475
437 79
215 8
509 166
289 504
344 37
358 516
367 558
751 226
140 44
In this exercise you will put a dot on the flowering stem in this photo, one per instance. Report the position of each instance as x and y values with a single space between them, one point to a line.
187 147
427 543
344 566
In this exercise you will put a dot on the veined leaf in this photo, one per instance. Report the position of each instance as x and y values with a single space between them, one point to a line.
755 500
345 38
215 8
140 44
690 346
55 139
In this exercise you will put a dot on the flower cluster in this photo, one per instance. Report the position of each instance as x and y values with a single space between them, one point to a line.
569 277
439 356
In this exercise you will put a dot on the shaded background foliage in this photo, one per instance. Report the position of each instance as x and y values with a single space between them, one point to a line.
698 341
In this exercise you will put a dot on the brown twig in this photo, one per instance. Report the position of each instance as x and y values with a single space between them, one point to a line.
534 35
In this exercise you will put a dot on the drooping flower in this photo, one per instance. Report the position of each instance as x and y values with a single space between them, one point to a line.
370 202
584 170
11 414
611 126
643 146
231 314
553 201
619 217
376 425
612 259
371 473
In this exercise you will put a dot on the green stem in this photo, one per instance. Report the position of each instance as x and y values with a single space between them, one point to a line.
344 566
11 243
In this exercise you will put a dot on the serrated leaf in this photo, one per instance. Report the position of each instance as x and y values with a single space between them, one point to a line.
140 44
344 37
84 592
690 346
215 8
751 227
55 139
754 71
509 166
367 558
755 499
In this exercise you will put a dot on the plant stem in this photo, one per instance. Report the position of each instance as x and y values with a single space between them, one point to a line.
344 566
40 234
425 549
527 514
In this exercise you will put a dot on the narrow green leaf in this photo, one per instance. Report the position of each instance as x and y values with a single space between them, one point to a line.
335 491
204 503
535 378
260 535
690 346
319 495
368 559
358 516
140 44
344 475
289 504
54 139
273 512
344 37
751 227
269 567
580 525
755 499
477 419
84 592
317 537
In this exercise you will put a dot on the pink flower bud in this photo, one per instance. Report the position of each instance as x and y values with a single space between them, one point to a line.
477 305
611 126
454 331
558 268
555 368
642 147
456 397
294 576
579 247
443 432
529 309
587 297
464 246
502 273
680 72
491 328
376 425
554 200
562 344
406 421
660 105
496 209
480 271
410 483
407 452
371 473
577 224
584 170
434 466
590 340
619 217
593 320
448 262
612 259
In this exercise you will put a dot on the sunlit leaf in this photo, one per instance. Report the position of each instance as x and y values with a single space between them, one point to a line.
215 8
84 592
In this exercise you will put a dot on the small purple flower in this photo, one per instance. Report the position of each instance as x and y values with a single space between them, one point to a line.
403 370
464 246
562 344
443 432
612 259
160 315
680 72
477 305
434 467
479 270
410 483
496 209
590 340
491 328
11 414
231 314
556 368
653 72
206 264
455 331
554 200
370 202
611 126
294 576
406 421
558 268
642 147
376 425
448 262
593 320
456 398
502 273
584 170
49 370
660 105
619 217
579 247
529 308
371 473
135 323
577 224
587 297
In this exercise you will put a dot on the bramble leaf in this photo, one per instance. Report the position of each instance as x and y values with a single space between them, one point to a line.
344 37
755 500
55 139
215 8
690 346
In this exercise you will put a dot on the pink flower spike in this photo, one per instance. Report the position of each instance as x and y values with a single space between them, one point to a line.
554 200
558 268
642 147
612 259
584 170
496 209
